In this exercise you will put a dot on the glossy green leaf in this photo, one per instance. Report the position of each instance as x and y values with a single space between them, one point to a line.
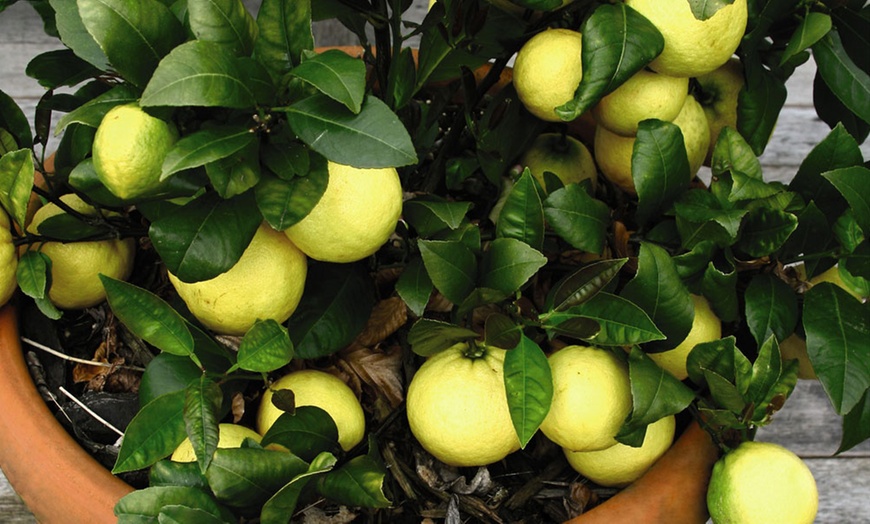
812 234
153 434
265 347
91 113
337 75
848 82
501 331
135 36
771 308
181 514
202 401
724 392
621 322
284 33
414 286
578 218
429 336
74 34
659 167
582 284
452 267
224 22
772 382
148 316
374 137
854 184
166 373
833 112
837 328
617 42
13 121
721 357
429 214
359 482
307 432
732 153
857 263
16 181
204 146
856 424
248 477
522 215
701 218
759 104
66 227
60 68
335 306
508 264
286 202
837 150
719 286
282 506
33 273
765 230
811 29
145 505
205 237
170 473
234 174
528 382
705 9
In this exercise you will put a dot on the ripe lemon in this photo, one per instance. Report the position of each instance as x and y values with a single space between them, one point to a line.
795 348
76 266
718 92
129 148
317 388
563 155
591 398
229 436
266 283
646 94
8 260
762 482
613 151
355 216
855 286
620 465
693 47
706 327
457 406
547 71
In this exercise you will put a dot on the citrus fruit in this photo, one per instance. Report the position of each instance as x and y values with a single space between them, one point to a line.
229 436
266 283
547 71
8 260
129 148
718 93
620 465
646 94
76 266
706 327
693 47
563 155
457 406
762 482
591 398
355 216
855 286
794 347
317 388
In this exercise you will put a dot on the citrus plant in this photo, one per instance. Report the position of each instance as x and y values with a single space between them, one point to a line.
284 198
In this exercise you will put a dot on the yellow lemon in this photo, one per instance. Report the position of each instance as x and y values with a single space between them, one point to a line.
317 388
457 406
8 260
129 148
547 71
795 348
76 266
718 93
855 286
563 155
762 482
620 465
229 436
706 327
355 216
693 47
266 283
646 94
591 398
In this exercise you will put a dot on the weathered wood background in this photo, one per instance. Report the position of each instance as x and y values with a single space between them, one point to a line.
807 424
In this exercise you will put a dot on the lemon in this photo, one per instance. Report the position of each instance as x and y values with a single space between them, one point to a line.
646 94
355 216
855 286
706 327
317 388
266 283
129 148
693 47
795 348
762 482
457 406
613 152
563 155
8 260
547 71
620 465
76 266
591 398
229 436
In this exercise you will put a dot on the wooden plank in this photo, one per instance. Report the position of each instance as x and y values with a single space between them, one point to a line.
12 510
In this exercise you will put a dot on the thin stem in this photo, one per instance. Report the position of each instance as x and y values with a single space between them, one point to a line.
91 412
77 360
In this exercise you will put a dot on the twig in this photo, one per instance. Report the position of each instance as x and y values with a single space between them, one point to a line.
91 412
78 360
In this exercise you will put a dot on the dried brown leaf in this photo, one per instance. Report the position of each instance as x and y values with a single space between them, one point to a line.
379 368
387 316
238 407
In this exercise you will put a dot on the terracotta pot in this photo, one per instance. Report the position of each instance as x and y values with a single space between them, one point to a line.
57 479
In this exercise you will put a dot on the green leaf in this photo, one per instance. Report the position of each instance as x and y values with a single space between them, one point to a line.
282 506
701 218
856 424
837 150
578 218
153 434
179 514
171 473
522 216
771 308
13 121
759 104
224 22
54 69
854 184
74 34
307 432
508 264
286 160
374 137
837 328
16 181
335 306
166 373
705 9
285 32
205 237
237 173
337 75
719 285
145 505
428 337
91 113
765 230
149 317
430 214
205 74
658 290
202 401
359 482
501 332
617 42
134 36
204 146
732 153
582 284
725 393
451 265
621 322
811 29
248 477
721 357
848 82
659 167
772 382
414 286
33 273
265 347
528 382
286 202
